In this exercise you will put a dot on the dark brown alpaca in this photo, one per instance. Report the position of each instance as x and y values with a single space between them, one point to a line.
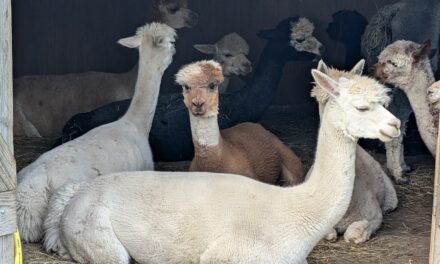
245 149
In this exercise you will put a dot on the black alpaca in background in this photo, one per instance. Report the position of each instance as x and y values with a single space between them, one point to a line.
347 27
170 137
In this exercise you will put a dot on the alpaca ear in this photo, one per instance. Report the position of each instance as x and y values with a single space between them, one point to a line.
322 67
358 68
130 42
325 82
206 48
424 51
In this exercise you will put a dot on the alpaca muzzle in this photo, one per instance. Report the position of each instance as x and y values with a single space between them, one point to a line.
379 73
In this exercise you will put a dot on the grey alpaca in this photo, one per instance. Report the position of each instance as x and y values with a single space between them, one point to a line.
413 20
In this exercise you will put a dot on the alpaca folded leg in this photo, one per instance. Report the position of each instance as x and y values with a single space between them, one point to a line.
90 238
369 219
332 235
32 200
390 200
360 231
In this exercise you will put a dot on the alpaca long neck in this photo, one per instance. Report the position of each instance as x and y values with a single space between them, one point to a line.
327 192
253 99
205 131
417 96
144 102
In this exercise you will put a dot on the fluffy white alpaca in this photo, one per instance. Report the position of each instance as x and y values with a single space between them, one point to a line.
374 193
43 103
188 217
119 146
230 51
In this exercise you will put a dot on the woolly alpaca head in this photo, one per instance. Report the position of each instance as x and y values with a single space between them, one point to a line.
200 82
321 95
356 107
176 14
399 62
154 40
287 31
302 39
231 51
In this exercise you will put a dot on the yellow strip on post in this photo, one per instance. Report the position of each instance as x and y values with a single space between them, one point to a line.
18 253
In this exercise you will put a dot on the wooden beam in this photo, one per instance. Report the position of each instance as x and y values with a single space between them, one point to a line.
434 253
8 219
7 213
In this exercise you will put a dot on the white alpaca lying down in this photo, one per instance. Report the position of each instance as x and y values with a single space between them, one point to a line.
188 217
373 193
119 146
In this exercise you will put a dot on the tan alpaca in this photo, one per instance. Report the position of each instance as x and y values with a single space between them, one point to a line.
246 149
406 65
373 193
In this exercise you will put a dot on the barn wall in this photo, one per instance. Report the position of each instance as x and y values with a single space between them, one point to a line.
54 37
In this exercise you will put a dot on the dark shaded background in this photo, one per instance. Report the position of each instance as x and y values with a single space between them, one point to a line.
56 37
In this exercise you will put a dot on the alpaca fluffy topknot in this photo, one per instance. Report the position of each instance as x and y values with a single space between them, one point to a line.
200 73
156 31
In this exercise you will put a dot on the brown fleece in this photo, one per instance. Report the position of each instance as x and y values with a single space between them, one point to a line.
250 150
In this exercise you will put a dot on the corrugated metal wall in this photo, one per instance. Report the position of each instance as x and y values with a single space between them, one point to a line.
52 36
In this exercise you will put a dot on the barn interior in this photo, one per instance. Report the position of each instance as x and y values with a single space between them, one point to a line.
70 37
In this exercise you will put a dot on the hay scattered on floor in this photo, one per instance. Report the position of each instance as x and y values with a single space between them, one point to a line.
403 238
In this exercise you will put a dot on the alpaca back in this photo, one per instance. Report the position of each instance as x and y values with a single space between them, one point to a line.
49 101
246 149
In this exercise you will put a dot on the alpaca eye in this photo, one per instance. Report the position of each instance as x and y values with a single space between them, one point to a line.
212 86
301 40
186 88
173 10
392 63
363 108
227 55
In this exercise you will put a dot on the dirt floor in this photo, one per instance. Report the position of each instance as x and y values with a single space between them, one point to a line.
403 238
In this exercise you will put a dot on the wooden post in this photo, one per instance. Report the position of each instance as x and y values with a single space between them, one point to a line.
8 219
434 253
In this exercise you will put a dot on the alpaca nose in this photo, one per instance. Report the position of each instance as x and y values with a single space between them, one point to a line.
395 123
198 103
247 67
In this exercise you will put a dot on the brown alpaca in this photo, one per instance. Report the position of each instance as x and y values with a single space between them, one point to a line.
246 149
